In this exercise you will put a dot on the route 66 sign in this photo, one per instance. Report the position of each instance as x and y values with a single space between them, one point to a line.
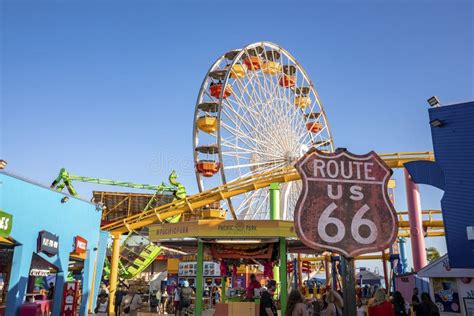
344 204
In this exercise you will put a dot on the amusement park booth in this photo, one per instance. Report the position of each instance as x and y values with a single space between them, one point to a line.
406 282
234 248
50 243
452 289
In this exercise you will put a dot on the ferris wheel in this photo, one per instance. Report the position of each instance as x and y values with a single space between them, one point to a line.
257 110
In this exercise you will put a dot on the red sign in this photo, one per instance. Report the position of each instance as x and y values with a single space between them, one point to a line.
80 245
344 205
70 292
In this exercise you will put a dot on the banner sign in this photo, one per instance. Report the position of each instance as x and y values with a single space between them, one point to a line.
39 272
6 221
219 228
187 269
80 244
70 293
446 295
48 243
344 205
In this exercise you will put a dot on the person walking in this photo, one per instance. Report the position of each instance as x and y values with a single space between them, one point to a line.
295 305
118 300
176 295
415 300
217 295
253 284
427 307
101 305
51 291
164 299
399 306
380 305
267 305
131 303
184 298
332 304
361 310
158 295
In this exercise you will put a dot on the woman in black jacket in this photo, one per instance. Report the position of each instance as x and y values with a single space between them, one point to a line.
399 304
427 307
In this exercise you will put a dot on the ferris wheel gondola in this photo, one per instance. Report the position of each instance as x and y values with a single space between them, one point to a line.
257 110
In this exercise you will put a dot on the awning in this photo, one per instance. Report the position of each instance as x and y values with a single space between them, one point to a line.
441 268
41 266
7 241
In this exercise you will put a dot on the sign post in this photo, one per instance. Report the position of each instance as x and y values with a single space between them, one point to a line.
344 207
349 293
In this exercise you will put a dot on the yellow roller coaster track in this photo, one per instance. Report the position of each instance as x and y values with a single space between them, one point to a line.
231 189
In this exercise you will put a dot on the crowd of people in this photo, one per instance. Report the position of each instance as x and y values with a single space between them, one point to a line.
176 299
171 299
127 301
376 304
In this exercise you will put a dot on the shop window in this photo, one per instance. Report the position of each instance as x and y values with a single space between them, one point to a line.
6 257
41 280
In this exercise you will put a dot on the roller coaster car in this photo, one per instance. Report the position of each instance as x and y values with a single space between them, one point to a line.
271 68
314 127
216 90
253 62
302 101
287 81
238 71
207 124
207 168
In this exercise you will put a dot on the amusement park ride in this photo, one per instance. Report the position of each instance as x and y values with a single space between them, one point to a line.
133 260
256 114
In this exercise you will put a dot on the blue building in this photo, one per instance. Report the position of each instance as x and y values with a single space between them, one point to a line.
452 130
48 237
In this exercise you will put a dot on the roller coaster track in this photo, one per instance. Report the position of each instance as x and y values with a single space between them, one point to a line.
236 187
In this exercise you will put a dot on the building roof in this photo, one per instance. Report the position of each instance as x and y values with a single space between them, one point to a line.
119 205
441 268
32 182
368 275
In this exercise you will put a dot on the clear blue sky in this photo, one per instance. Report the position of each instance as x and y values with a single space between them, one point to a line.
108 88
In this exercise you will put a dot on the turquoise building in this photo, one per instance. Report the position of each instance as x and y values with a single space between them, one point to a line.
48 237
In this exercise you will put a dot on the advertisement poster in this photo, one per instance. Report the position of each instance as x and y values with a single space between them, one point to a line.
190 269
469 305
446 295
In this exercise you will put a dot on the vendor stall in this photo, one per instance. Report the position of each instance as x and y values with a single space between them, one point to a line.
236 247
451 289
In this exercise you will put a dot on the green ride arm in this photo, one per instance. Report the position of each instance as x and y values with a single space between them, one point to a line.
64 180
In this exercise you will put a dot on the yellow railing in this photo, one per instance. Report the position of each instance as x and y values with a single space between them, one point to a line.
234 188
